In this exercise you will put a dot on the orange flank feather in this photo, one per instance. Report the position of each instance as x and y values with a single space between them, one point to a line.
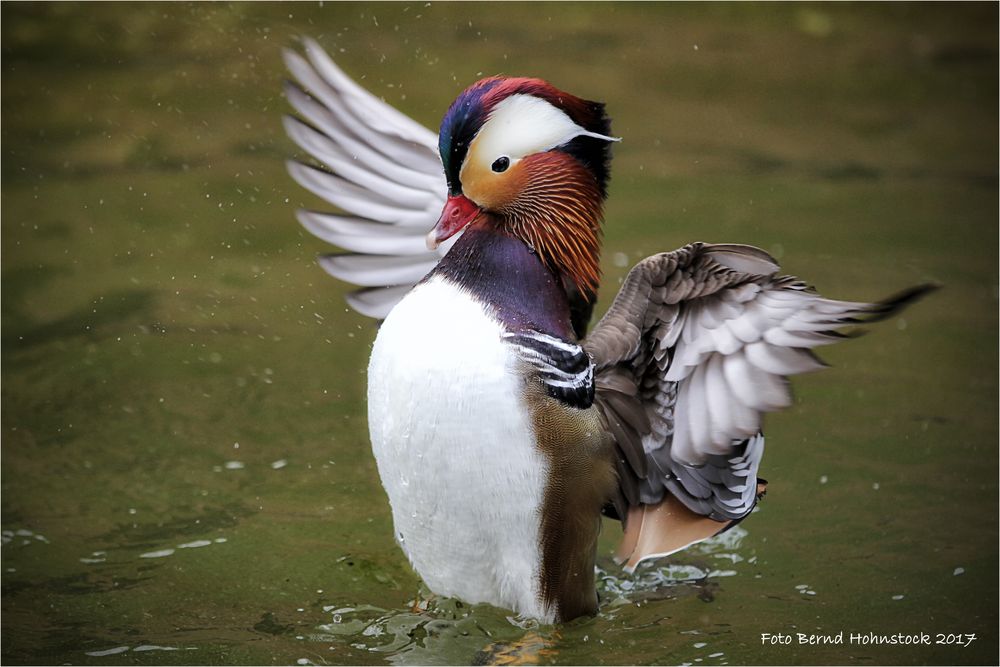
665 528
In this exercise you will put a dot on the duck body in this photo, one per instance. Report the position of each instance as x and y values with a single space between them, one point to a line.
467 435
502 429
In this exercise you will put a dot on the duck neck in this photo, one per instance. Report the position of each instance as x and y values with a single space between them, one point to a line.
502 271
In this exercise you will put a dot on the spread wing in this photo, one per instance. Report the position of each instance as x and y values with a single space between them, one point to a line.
379 167
697 346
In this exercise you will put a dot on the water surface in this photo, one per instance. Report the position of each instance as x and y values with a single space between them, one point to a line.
186 475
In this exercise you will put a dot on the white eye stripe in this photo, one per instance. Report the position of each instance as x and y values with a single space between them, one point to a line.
522 125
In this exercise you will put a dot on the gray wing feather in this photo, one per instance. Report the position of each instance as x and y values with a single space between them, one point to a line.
724 487
708 335
379 167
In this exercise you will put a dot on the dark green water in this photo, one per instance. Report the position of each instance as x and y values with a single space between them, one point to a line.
185 466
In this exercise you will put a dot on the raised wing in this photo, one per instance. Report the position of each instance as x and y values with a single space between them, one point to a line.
379 167
697 345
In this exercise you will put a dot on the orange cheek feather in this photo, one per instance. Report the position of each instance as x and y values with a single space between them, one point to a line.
549 200
492 191
553 202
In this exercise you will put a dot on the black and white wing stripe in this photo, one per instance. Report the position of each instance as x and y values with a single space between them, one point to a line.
379 167
564 368
697 345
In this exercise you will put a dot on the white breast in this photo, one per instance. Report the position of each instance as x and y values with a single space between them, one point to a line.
455 449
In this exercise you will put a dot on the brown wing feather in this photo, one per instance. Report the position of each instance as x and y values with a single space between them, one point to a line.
643 312
694 349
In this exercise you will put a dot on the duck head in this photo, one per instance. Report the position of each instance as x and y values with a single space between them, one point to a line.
533 161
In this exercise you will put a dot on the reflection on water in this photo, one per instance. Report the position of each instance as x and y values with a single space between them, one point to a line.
431 631
23 535
138 649
434 630
693 572
160 553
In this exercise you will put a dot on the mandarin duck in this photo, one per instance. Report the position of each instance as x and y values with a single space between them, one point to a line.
501 429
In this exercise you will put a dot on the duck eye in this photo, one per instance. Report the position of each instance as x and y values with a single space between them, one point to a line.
501 164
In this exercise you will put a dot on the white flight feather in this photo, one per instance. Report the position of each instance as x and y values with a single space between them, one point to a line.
386 175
